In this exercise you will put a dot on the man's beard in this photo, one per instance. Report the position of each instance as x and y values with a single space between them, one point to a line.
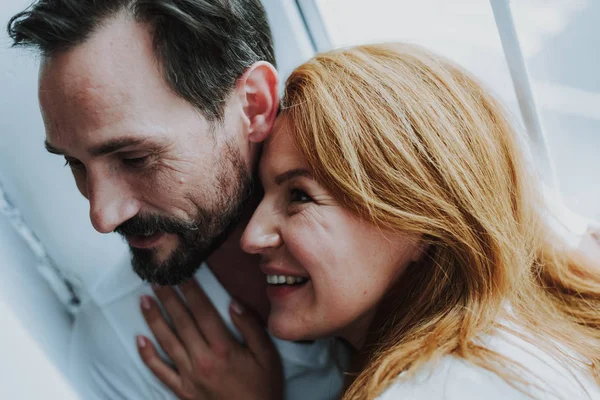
197 238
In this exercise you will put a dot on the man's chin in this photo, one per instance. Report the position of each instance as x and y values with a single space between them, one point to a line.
166 269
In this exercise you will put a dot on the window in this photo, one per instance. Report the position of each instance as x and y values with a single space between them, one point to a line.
559 40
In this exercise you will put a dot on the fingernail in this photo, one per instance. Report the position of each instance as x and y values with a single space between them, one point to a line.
145 302
236 307
141 341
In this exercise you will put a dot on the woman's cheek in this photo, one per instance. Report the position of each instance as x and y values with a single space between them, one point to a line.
309 243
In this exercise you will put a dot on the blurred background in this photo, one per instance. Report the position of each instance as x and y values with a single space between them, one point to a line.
50 257
560 41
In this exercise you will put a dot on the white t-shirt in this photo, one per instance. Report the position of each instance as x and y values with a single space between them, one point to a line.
454 378
104 362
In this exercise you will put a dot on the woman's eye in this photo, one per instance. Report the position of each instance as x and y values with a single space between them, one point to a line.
299 196
136 162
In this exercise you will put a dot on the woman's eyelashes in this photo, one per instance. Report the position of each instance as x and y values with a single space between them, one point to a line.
298 196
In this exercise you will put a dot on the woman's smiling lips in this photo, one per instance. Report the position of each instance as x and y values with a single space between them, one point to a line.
145 242
278 292
282 283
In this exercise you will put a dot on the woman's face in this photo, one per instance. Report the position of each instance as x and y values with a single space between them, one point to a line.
327 268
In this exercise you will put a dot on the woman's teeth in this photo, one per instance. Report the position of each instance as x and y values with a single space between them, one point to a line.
284 280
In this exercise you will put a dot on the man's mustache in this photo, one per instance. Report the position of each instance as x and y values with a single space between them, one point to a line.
150 224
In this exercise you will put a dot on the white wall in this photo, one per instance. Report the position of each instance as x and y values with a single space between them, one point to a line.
36 181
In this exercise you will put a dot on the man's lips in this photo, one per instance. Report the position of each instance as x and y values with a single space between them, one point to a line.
145 242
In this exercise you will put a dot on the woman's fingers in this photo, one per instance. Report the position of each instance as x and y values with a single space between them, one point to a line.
160 368
182 321
163 333
258 341
207 317
223 369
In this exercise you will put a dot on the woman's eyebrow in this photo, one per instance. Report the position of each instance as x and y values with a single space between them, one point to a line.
293 173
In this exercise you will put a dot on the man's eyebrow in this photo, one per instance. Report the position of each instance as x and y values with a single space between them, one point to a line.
105 148
293 173
115 145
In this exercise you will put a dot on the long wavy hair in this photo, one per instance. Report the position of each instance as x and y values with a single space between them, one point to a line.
410 141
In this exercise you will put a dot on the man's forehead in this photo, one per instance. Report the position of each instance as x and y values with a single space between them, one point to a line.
114 65
120 43
106 89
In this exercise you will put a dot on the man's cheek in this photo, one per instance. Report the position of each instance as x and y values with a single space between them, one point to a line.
158 189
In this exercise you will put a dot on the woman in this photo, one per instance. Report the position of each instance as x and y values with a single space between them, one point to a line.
401 216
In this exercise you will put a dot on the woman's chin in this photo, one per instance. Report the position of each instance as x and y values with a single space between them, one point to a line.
285 330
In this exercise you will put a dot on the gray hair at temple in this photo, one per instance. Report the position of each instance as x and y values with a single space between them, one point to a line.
203 46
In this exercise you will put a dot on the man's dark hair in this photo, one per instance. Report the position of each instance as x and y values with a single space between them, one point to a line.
203 46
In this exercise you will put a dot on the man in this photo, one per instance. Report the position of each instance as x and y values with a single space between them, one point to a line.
159 107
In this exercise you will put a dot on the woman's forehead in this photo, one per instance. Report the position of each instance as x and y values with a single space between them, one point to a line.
280 152
280 127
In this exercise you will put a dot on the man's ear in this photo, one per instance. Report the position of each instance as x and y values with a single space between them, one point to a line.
260 98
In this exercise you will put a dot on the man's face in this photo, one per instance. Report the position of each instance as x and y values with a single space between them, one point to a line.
152 167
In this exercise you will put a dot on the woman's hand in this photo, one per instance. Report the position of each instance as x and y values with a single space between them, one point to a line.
209 362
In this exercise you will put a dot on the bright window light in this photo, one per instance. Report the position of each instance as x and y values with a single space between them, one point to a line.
559 40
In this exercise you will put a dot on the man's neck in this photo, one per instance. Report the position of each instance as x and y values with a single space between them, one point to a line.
239 273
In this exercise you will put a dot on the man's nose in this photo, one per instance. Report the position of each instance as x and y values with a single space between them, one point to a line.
262 232
111 203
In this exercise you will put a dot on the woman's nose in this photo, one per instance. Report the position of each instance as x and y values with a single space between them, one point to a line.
262 232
